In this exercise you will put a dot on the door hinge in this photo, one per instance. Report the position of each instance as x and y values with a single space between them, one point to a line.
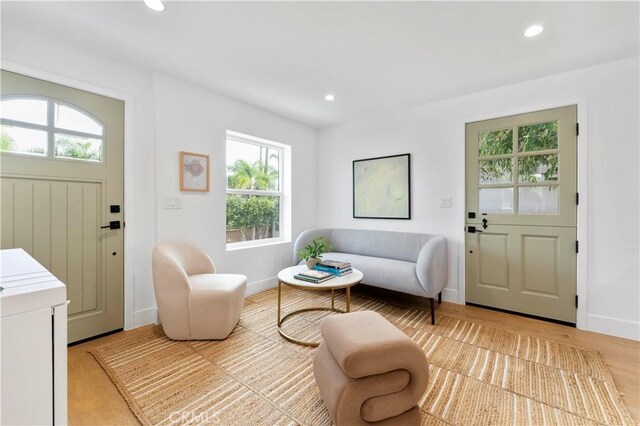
577 247
576 300
577 129
577 198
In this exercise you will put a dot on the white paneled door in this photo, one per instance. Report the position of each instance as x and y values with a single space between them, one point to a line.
521 213
61 194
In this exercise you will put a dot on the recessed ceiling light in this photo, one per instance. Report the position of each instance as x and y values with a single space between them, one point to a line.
156 5
329 97
533 30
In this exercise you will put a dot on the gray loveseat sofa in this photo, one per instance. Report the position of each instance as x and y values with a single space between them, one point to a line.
401 261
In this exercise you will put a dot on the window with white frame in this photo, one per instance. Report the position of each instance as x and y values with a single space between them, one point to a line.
47 128
255 192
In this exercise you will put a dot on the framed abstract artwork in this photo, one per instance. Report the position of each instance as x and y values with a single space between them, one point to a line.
194 172
382 187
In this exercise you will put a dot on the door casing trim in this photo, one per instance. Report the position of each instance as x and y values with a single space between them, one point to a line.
129 306
582 162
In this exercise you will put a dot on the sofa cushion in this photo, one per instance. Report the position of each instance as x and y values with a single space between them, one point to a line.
391 274
391 245
216 283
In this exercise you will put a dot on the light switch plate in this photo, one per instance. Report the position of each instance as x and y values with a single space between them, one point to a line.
172 203
445 203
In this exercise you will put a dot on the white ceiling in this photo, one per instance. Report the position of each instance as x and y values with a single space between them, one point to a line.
375 57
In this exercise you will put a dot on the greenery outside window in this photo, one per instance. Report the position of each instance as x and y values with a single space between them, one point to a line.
519 170
254 191
46 128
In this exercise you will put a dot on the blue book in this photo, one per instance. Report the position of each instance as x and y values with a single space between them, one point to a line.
333 271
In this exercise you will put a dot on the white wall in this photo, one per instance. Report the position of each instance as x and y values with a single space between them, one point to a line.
193 119
163 117
608 101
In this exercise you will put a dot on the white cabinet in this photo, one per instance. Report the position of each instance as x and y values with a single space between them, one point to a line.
33 342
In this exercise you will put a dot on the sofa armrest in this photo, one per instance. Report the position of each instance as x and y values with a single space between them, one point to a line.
432 266
305 238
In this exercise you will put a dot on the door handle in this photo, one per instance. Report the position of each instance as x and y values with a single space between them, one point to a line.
484 223
114 224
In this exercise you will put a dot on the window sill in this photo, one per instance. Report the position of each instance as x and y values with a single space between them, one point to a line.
256 243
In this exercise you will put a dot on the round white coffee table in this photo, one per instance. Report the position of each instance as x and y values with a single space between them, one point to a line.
286 277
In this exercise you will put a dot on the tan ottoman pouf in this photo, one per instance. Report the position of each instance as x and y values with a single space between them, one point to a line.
368 371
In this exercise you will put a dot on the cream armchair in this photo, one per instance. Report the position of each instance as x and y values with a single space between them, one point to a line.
195 303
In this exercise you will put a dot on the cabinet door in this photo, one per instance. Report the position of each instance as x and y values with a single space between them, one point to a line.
60 364
27 369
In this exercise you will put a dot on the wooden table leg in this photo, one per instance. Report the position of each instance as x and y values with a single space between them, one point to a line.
348 299
332 299
279 297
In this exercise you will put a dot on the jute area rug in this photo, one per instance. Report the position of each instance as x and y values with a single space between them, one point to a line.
480 375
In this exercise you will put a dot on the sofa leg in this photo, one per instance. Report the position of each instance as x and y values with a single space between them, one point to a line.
433 311
440 298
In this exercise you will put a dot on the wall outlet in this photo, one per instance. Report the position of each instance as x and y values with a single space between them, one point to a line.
445 203
172 203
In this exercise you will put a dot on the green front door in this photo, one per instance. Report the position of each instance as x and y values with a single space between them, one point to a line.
521 213
61 170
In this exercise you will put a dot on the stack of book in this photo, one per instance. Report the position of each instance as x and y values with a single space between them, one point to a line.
334 267
313 276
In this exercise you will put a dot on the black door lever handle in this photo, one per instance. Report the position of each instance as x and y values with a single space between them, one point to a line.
484 223
114 224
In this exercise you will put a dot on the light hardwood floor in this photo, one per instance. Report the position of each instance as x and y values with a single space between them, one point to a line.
94 400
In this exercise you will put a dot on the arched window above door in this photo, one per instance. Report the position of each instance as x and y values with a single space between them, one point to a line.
48 128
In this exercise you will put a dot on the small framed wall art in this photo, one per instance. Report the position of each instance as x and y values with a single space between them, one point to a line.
194 172
382 187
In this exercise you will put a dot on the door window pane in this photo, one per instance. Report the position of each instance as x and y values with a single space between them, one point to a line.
538 137
252 166
25 141
496 142
252 217
71 146
538 168
538 199
496 171
495 200
33 111
72 119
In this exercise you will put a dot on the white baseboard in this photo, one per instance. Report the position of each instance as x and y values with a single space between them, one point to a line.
450 295
260 286
145 316
613 326
150 315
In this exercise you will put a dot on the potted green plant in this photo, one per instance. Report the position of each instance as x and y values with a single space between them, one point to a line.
312 253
